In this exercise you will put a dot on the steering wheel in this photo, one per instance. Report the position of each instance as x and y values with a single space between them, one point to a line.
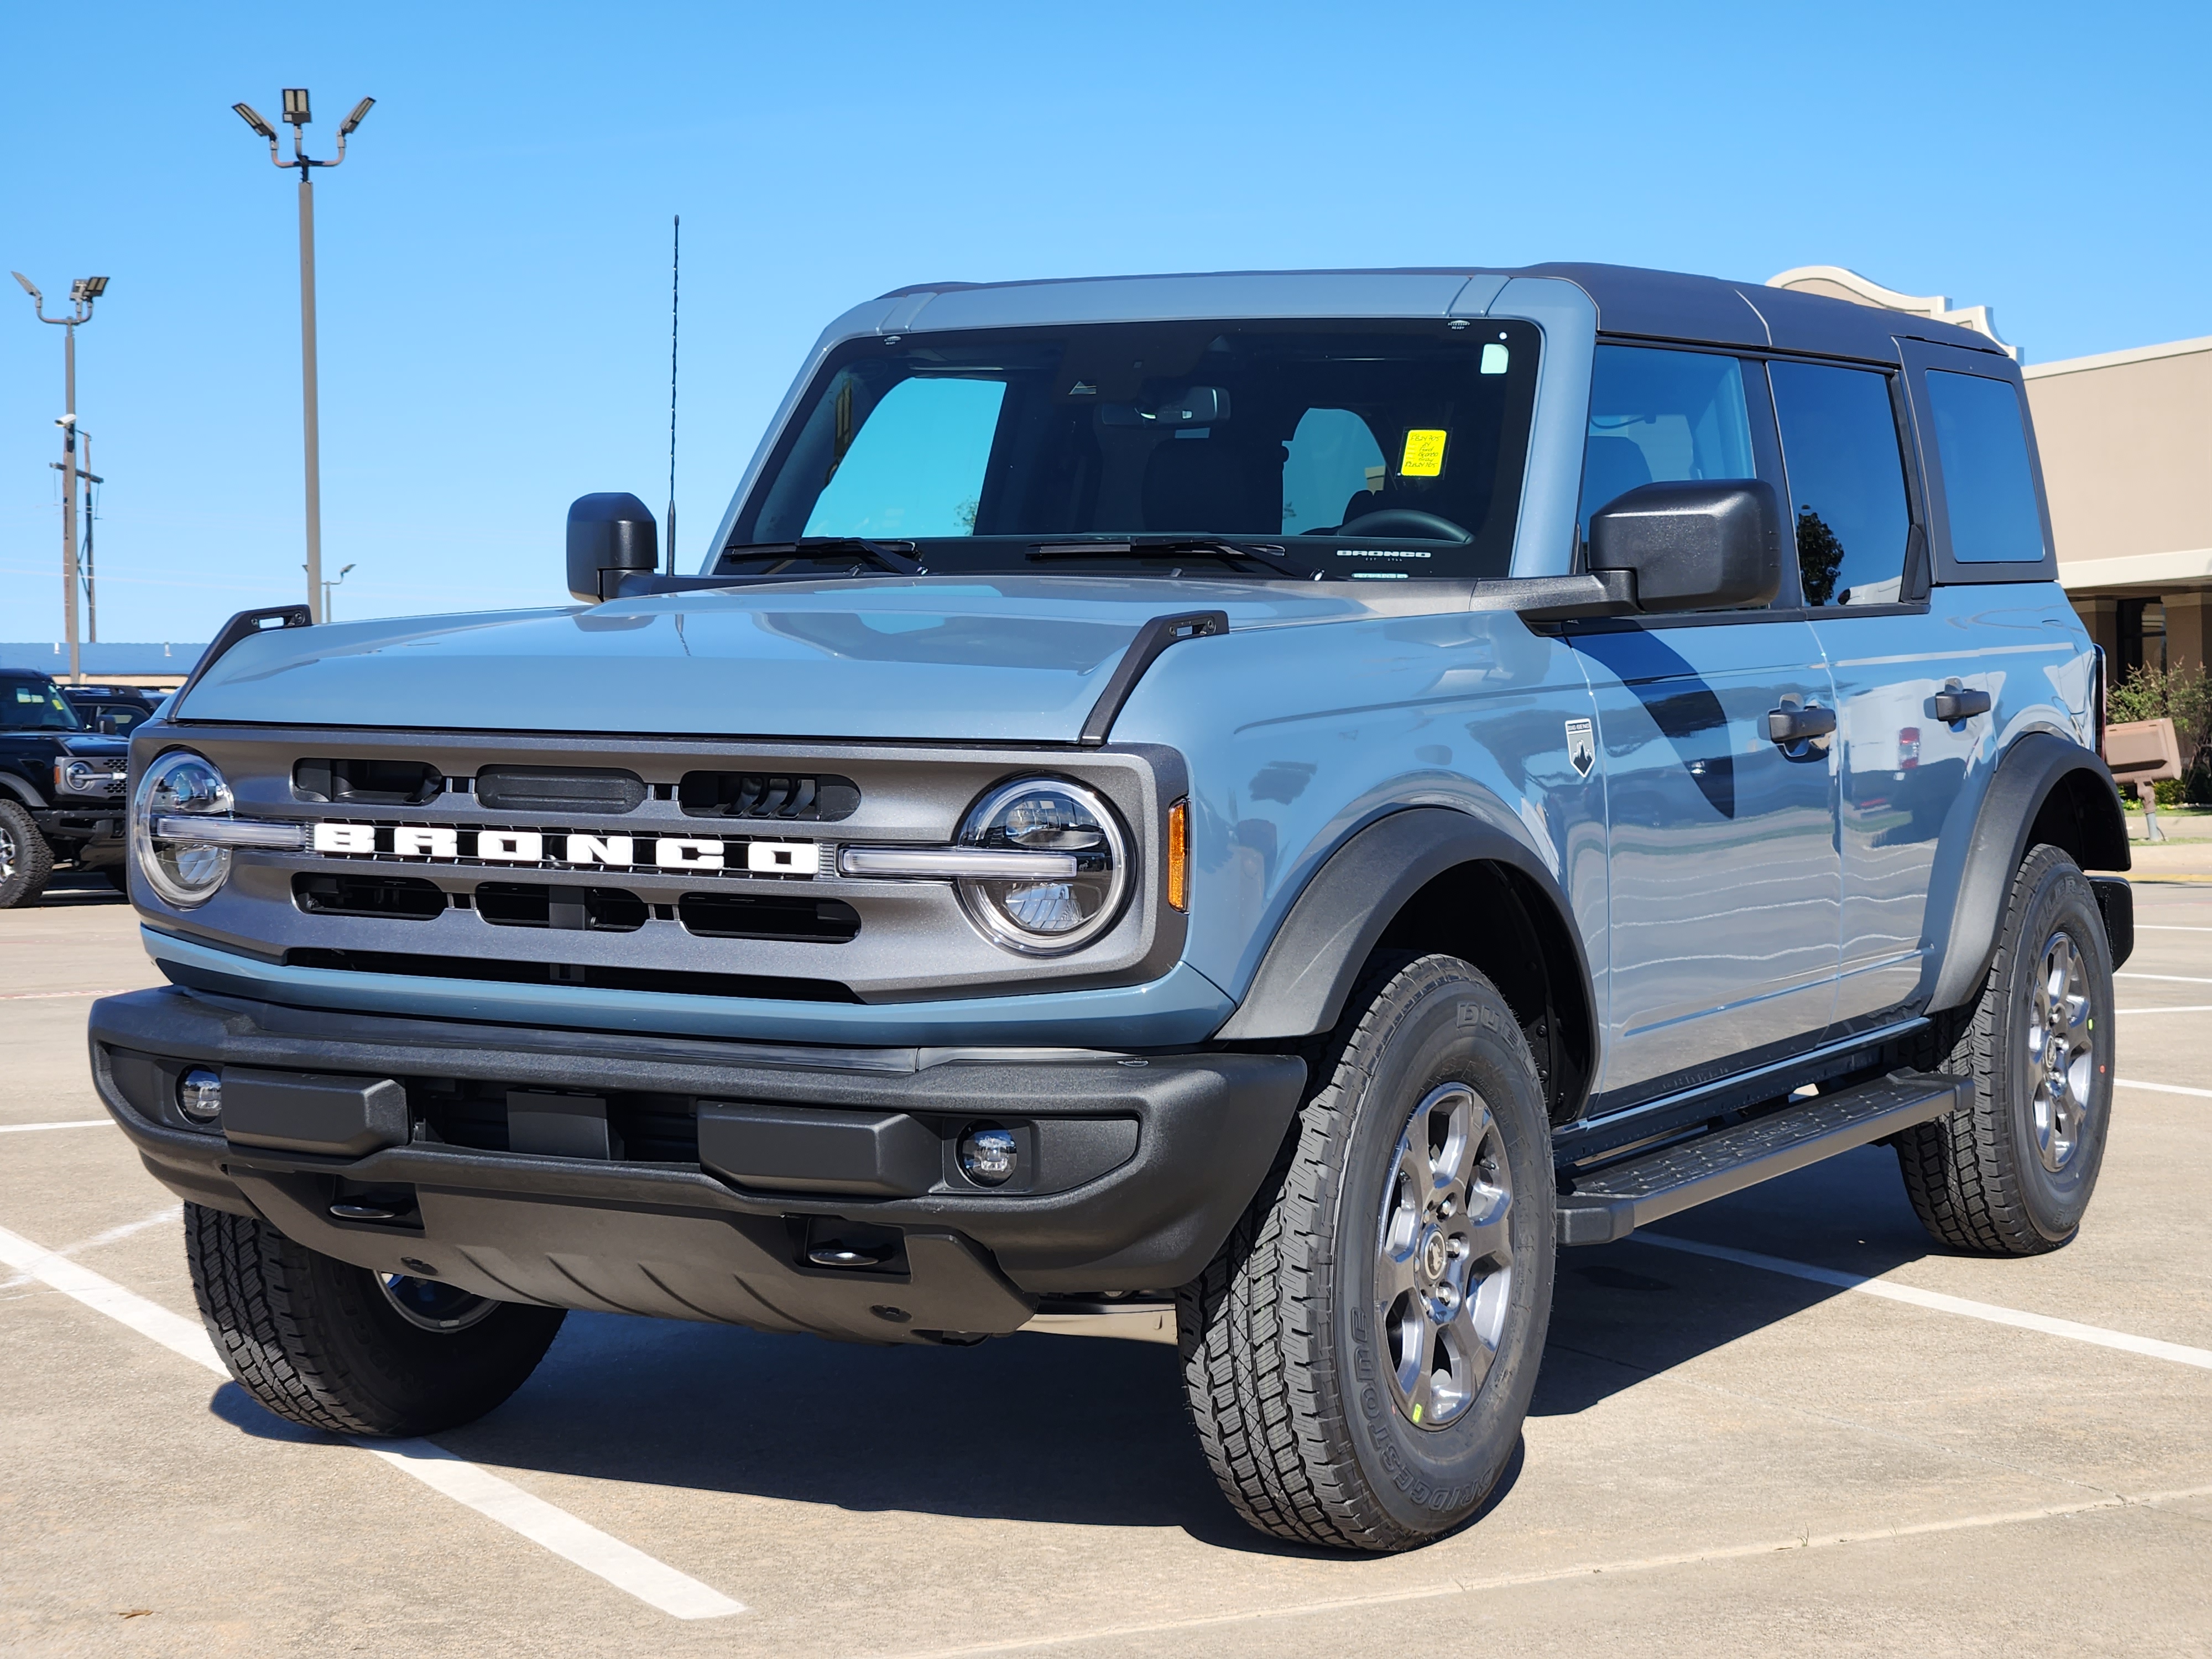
1403 521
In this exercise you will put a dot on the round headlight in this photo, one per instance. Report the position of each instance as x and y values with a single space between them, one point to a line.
83 778
180 783
1045 915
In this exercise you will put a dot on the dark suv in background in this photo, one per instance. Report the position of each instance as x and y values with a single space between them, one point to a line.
61 785
113 709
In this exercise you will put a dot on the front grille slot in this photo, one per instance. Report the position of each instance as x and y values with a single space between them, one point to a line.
792 797
584 909
469 1112
369 782
565 790
392 897
595 975
744 915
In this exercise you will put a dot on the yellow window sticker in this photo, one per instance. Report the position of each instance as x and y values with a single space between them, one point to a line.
1424 453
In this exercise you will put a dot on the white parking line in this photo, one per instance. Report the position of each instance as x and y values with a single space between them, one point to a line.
70 1123
2183 1008
1795 1542
2162 1088
2168 927
2168 979
654 1582
1936 1300
49 996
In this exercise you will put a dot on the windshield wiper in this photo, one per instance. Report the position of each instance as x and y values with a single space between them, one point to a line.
883 553
1215 547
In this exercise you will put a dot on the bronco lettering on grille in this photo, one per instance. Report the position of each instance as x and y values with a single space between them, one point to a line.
432 843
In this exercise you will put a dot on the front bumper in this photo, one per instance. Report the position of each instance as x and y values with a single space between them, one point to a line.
1135 1166
96 827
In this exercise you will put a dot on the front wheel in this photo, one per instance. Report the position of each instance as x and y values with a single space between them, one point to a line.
26 860
1360 1355
335 1346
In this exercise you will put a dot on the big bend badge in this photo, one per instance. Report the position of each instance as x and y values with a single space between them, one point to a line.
1581 747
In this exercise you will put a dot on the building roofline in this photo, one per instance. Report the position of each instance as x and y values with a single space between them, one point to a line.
2115 359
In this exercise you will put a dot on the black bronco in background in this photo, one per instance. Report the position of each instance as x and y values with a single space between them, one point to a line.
61 789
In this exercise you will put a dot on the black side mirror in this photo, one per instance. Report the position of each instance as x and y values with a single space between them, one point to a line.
1693 545
610 536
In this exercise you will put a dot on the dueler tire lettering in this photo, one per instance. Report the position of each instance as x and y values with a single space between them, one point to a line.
1287 1366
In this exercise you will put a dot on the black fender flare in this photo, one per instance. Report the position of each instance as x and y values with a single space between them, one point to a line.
1335 924
21 792
2028 774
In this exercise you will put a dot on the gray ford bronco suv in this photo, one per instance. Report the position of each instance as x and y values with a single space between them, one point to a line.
1289 797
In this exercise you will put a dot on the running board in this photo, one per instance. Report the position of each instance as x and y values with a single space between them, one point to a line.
1615 1201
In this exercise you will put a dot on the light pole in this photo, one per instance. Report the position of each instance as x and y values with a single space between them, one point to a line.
330 584
297 115
82 292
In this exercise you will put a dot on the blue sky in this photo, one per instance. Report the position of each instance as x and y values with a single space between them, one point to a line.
495 251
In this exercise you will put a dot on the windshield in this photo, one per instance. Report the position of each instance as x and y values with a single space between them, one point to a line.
35 706
1375 449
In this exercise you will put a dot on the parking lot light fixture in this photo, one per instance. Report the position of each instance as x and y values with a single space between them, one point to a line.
298 115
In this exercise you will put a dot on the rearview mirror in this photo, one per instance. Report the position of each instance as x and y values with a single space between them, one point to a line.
610 536
1195 405
1691 545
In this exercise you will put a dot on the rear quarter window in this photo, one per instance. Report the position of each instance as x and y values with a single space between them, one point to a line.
1989 488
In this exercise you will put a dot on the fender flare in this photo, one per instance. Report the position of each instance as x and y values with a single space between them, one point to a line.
2028 774
1317 952
23 793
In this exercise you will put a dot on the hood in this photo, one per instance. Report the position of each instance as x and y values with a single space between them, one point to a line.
1014 658
94 744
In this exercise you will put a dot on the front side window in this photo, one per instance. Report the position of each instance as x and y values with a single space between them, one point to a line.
1846 482
1373 450
35 705
1657 416
1988 489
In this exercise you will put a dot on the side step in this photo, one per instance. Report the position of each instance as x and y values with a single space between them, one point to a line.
1615 1201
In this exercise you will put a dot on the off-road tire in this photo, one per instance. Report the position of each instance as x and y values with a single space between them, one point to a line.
26 860
1285 1366
1975 1176
314 1339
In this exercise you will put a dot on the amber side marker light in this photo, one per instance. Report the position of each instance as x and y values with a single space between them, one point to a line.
1179 855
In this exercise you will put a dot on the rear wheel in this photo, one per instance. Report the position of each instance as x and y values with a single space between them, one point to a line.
335 1346
26 860
1360 1355
2011 1172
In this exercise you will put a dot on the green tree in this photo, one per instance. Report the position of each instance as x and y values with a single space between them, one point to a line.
2183 695
1819 556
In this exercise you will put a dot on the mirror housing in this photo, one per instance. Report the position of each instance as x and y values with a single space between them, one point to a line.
1693 545
610 536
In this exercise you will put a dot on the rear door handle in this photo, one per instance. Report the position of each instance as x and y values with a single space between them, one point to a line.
1955 704
1787 725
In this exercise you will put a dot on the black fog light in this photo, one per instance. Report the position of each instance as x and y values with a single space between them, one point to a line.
199 1095
988 1154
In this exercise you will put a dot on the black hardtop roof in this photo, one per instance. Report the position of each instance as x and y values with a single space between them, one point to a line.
1663 305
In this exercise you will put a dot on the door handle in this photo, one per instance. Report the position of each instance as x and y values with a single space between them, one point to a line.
1788 725
1955 704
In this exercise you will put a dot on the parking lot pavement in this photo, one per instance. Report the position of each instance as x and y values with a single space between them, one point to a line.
1724 1457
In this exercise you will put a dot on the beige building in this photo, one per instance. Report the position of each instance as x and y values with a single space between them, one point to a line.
2126 441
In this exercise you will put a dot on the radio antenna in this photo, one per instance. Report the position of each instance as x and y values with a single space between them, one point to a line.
675 293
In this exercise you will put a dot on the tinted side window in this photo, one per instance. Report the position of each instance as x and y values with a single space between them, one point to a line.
1659 416
1846 482
1989 489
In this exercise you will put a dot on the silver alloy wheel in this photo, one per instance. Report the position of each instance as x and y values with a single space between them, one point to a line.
1444 1273
429 1306
7 850
2062 1026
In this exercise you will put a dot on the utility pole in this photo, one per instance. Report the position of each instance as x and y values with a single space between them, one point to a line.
297 115
82 292
89 479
